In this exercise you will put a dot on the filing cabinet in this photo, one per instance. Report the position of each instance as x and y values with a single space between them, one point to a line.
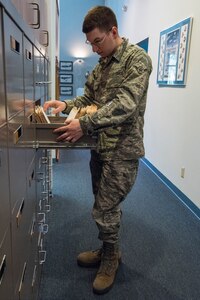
35 14
25 150
24 201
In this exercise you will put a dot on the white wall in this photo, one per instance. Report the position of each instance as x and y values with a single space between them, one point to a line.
172 120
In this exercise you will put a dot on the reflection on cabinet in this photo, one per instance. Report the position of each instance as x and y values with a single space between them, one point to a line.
2 90
35 15
4 184
6 282
14 66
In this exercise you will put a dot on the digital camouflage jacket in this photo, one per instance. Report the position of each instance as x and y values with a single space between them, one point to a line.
118 86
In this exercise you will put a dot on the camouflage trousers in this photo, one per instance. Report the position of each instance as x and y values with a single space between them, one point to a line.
111 182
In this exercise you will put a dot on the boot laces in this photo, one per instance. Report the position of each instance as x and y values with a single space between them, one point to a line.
109 261
98 251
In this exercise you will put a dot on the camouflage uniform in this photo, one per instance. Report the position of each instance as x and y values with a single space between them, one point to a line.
118 86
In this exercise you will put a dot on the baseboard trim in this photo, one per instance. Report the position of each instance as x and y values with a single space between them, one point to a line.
180 195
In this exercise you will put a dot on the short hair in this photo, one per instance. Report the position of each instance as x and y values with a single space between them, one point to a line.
101 17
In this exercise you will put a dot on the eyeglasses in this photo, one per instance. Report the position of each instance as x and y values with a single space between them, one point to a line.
99 42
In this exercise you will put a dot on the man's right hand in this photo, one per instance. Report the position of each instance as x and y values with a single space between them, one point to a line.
56 104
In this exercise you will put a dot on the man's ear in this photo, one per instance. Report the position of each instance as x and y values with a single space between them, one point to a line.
114 31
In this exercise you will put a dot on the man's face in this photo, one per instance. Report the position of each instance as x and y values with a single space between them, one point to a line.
103 43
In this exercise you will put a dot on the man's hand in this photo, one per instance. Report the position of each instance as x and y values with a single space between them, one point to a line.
58 105
71 132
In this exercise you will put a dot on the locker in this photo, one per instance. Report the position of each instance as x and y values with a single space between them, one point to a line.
2 91
14 66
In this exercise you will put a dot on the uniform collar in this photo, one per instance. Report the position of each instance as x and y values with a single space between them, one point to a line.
117 55
120 50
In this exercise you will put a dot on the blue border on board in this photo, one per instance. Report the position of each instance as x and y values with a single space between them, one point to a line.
190 205
176 83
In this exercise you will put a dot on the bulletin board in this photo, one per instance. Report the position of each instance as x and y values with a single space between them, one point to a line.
173 54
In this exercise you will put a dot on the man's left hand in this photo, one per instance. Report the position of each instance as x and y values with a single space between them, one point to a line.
71 132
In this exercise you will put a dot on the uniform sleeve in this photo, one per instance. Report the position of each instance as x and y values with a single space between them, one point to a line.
127 96
86 99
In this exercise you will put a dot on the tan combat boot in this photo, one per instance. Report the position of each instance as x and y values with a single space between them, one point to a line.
110 259
90 258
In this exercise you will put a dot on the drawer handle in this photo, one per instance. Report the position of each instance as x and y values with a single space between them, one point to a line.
20 211
41 218
28 55
32 227
34 276
44 160
44 193
36 8
43 228
43 82
42 256
30 118
42 204
40 241
17 134
14 45
31 178
45 33
40 176
2 268
22 278
48 208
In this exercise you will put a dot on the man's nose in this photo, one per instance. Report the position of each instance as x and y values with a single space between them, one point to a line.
95 48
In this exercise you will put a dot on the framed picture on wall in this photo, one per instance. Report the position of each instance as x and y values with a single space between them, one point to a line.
66 78
173 54
66 90
66 66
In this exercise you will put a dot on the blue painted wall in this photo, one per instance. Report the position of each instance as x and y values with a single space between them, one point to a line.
116 6
72 40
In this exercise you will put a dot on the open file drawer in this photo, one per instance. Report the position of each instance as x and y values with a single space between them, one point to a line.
45 138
